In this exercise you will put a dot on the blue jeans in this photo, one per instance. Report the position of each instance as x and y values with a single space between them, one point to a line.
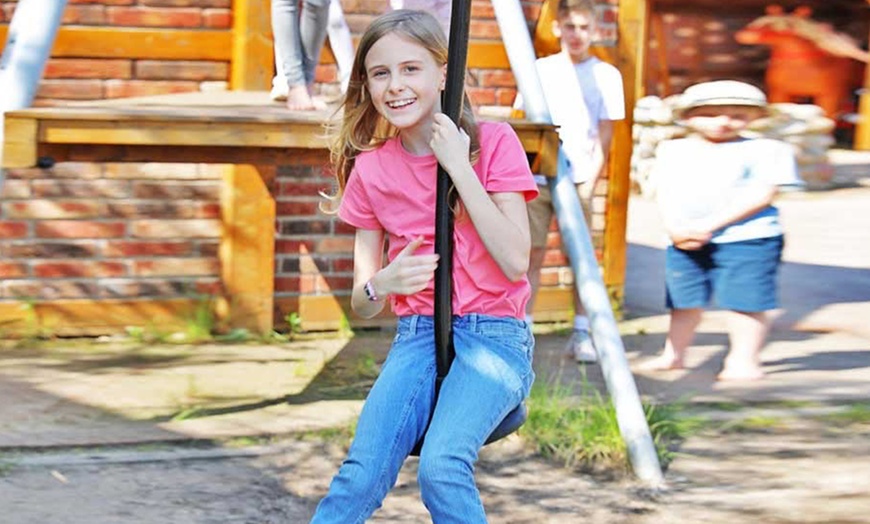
490 376
299 38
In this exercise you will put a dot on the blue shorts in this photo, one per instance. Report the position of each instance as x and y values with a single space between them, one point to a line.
740 275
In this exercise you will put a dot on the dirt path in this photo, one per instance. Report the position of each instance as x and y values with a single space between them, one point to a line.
792 471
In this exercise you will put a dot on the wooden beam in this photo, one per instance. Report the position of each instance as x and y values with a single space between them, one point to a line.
633 26
20 142
247 249
252 64
213 44
135 42
94 317
862 129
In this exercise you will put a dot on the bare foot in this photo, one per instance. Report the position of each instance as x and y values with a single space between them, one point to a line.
298 99
740 373
662 363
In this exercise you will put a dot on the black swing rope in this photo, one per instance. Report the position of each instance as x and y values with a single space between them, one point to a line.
451 103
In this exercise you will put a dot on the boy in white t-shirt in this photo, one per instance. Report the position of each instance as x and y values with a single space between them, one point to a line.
585 130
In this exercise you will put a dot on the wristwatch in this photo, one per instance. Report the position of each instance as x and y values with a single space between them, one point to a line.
370 292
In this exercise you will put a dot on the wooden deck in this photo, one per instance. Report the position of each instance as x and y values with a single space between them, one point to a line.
243 129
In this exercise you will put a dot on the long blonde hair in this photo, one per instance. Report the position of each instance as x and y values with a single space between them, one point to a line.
362 128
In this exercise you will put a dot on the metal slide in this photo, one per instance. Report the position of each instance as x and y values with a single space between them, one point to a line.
28 46
578 244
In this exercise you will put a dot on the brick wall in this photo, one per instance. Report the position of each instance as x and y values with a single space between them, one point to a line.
109 231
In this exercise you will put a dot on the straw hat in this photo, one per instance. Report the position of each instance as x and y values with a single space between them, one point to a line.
720 93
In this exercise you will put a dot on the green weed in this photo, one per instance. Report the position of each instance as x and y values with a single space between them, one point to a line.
583 431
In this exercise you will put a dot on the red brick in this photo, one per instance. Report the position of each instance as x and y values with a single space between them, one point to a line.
287 284
79 269
486 29
70 249
555 258
88 68
79 229
176 267
481 96
217 18
496 78
130 88
304 227
295 208
13 270
154 16
505 96
181 70
70 89
130 248
81 189
103 2
154 209
293 188
48 209
14 189
208 249
209 287
205 209
186 3
482 10
84 14
176 190
342 265
195 228
48 289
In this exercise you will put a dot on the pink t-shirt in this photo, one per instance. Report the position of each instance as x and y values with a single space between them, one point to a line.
393 190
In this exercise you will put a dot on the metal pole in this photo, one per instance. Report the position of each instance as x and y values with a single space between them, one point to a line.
578 244
28 46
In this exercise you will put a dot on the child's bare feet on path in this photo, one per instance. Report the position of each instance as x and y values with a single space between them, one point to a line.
298 99
663 362
740 372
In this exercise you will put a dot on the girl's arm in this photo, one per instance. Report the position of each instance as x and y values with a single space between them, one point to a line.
405 275
501 219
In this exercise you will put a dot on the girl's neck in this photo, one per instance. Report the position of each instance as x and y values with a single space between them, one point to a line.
416 140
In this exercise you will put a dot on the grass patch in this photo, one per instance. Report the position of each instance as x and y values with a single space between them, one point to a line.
753 424
582 431
853 415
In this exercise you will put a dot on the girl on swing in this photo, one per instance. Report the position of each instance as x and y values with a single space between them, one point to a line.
389 143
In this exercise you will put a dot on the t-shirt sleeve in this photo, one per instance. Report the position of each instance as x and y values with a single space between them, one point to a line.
508 170
356 208
612 96
775 164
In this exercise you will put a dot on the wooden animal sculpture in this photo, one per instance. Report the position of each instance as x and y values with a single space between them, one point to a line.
809 61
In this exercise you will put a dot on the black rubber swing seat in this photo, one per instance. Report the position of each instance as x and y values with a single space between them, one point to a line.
508 425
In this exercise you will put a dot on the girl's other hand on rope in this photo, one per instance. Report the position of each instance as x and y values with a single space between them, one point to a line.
408 273
449 143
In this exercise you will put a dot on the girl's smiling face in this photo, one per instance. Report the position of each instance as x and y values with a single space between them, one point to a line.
404 82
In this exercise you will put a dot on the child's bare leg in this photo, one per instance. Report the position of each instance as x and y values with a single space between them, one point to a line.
747 332
298 98
680 336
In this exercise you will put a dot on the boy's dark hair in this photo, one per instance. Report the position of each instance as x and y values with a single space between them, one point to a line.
585 6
